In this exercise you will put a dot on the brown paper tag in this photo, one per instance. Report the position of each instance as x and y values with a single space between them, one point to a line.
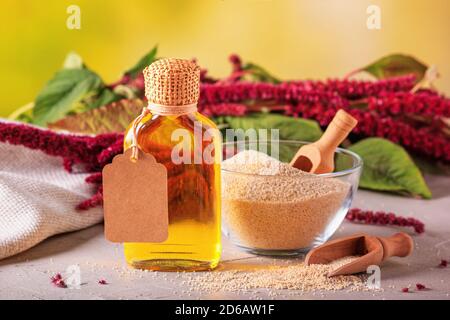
135 199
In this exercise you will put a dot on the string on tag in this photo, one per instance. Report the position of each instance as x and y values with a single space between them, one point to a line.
134 146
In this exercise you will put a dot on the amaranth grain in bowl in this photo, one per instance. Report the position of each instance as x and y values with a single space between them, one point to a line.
270 205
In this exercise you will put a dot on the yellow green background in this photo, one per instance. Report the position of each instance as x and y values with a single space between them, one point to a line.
292 39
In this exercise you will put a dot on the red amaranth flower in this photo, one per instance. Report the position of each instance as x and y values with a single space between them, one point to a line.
224 109
106 155
68 164
383 218
405 290
236 62
443 263
94 201
95 178
419 103
58 281
295 90
137 83
351 89
240 92
356 89
75 149
421 141
126 78
420 286
321 105
205 78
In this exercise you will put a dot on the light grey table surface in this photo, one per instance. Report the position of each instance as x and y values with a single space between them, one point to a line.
26 276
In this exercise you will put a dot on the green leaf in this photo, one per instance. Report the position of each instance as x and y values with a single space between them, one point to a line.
25 118
388 167
289 129
64 93
396 65
105 97
258 73
114 117
143 62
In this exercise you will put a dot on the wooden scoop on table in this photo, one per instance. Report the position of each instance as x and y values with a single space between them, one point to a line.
318 157
371 251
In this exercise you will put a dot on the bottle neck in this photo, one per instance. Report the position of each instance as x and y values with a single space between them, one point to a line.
163 110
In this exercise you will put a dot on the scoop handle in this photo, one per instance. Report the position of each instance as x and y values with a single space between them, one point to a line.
337 131
398 245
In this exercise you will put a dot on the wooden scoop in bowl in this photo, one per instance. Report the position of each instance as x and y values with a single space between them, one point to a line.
371 251
318 157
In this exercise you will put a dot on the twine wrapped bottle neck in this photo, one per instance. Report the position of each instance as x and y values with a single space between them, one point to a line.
164 110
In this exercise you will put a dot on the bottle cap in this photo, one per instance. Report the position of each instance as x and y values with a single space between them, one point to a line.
172 82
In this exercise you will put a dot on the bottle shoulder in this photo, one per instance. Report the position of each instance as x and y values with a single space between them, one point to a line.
206 120
150 124
173 121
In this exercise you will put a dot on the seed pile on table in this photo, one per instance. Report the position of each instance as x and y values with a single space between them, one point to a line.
293 276
268 204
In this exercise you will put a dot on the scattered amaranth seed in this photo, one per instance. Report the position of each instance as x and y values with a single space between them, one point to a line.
443 263
102 281
292 277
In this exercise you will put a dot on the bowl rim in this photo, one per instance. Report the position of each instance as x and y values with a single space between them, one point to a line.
358 163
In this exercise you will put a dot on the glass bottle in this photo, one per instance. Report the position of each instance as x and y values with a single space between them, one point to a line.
194 242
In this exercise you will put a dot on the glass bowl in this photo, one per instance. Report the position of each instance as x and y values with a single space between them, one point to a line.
284 214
